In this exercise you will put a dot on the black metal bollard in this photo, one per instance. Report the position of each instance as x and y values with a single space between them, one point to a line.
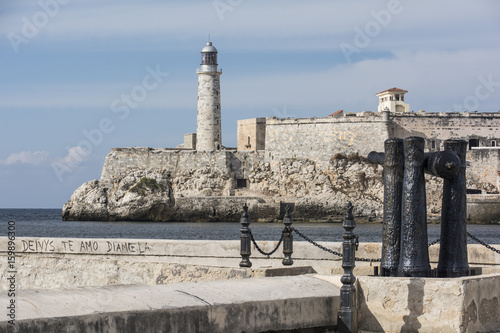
393 191
347 319
414 258
453 259
245 248
444 164
287 237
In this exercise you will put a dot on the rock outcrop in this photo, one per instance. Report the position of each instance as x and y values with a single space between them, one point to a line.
143 184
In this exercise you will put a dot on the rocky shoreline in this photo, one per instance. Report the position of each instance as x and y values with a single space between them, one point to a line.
144 184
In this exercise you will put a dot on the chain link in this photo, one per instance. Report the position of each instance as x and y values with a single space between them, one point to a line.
329 250
483 243
368 259
316 244
474 238
268 254
434 242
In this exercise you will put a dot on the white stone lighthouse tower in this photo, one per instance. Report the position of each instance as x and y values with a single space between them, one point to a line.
208 128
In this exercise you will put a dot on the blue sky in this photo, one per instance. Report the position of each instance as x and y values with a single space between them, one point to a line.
80 77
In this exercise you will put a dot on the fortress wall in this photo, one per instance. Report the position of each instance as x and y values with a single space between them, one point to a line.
251 134
183 185
121 161
310 162
483 169
321 138
447 125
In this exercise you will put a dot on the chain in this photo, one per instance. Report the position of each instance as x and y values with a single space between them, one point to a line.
268 254
368 259
483 243
316 244
474 238
328 250
340 254
434 242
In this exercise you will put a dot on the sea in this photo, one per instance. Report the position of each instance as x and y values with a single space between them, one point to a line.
48 223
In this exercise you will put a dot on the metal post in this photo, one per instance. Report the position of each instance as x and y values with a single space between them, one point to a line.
246 250
414 258
347 320
453 259
393 197
287 237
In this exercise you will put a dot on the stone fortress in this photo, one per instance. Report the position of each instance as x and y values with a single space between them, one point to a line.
316 163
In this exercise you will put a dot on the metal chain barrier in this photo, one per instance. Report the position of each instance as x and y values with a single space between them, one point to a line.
329 250
268 254
340 254
434 242
483 243
316 244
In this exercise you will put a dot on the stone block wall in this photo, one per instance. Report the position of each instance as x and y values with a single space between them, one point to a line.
178 163
251 134
440 126
483 169
466 304
321 138
189 141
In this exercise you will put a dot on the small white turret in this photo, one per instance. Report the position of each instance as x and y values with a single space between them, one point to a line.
393 100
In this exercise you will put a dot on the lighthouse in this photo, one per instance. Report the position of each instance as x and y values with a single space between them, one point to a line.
208 126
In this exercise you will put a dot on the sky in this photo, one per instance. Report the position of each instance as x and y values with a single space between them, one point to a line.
79 77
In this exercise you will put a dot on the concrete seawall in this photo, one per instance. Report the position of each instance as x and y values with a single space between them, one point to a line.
483 207
129 285
64 263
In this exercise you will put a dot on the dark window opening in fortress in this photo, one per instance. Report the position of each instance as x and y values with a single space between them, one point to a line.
397 97
433 144
402 98
473 143
493 143
241 183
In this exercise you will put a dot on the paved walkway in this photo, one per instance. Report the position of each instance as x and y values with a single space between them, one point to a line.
251 305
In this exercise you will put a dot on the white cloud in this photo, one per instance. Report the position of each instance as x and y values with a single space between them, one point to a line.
75 156
435 80
26 157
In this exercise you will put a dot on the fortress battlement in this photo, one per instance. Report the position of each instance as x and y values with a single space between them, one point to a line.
447 114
